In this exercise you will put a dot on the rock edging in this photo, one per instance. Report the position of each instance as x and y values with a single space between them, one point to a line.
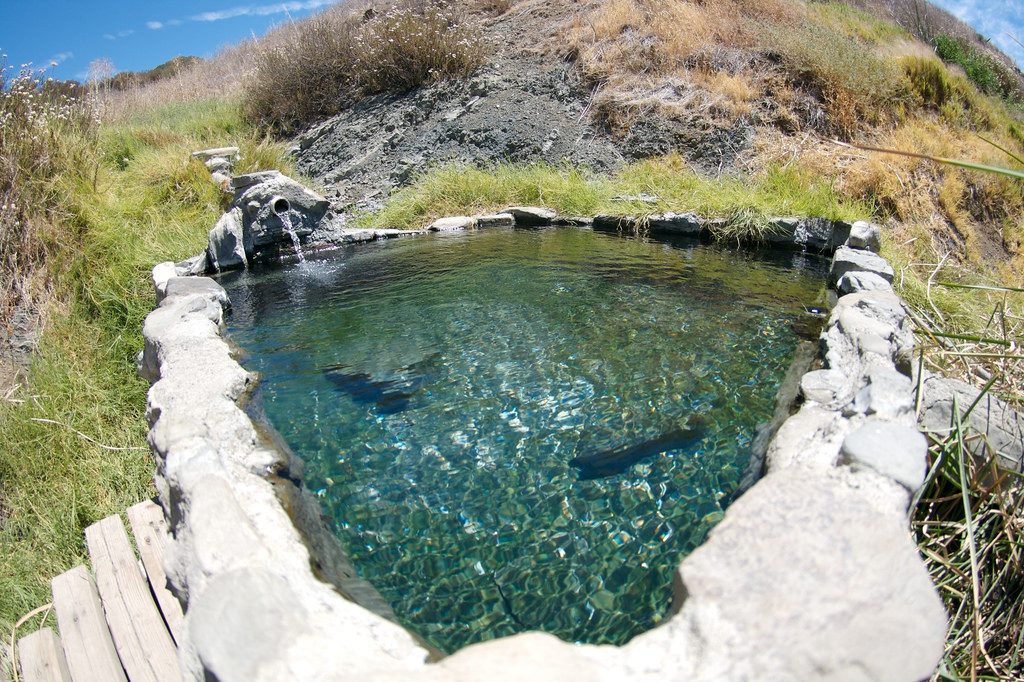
812 573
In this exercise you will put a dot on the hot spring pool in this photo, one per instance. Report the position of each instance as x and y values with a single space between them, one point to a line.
515 430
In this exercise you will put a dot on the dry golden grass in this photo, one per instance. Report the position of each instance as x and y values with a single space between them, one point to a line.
737 91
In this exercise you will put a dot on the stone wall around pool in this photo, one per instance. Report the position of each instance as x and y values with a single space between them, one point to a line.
812 573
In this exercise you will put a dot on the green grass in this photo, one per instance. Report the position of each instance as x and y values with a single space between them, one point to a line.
988 75
857 23
143 201
748 201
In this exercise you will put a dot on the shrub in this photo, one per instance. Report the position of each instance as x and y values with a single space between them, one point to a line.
857 85
405 48
949 94
307 77
988 75
335 59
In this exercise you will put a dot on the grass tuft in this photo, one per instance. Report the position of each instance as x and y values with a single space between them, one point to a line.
746 201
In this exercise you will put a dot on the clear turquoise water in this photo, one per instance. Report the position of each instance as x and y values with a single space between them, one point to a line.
438 387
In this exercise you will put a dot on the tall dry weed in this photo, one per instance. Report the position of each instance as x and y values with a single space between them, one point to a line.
45 129
331 61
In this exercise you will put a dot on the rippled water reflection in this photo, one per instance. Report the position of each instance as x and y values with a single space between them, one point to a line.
438 387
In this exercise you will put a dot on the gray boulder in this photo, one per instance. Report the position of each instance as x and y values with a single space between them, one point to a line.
675 223
891 449
452 224
496 220
1002 427
854 260
865 236
821 234
854 282
531 215
614 223
226 248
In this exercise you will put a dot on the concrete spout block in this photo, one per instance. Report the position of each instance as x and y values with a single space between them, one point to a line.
891 449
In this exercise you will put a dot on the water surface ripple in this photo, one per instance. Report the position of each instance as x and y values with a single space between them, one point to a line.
438 387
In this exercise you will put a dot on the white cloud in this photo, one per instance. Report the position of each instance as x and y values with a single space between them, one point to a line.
60 58
261 10
119 34
154 25
994 20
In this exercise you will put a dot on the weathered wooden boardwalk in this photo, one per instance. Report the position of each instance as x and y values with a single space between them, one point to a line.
117 623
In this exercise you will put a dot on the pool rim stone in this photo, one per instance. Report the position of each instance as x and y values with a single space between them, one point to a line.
811 573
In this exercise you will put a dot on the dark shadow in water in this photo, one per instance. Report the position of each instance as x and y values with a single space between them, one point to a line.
617 460
387 396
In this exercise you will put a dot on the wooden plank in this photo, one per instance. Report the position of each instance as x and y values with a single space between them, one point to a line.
88 648
136 626
151 537
41 658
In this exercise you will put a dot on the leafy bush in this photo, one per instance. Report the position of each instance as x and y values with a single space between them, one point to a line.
987 74
334 60
951 95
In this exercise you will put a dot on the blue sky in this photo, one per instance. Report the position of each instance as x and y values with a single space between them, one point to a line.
138 35
994 19
134 35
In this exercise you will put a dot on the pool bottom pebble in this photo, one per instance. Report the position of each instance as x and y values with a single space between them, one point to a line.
514 430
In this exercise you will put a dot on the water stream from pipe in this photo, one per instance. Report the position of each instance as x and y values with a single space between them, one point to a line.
287 222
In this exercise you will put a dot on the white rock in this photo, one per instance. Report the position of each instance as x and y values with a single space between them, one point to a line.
161 273
452 224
